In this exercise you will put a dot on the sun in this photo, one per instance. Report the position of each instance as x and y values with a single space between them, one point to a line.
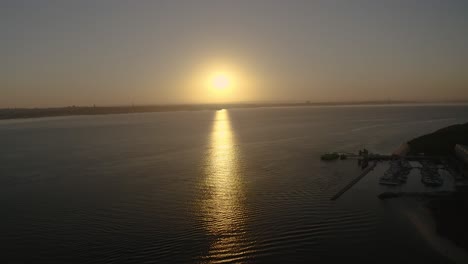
220 81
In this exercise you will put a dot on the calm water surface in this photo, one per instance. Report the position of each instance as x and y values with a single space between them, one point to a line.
243 185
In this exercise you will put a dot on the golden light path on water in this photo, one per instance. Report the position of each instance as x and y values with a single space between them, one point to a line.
222 207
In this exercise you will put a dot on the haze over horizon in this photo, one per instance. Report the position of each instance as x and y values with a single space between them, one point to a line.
58 53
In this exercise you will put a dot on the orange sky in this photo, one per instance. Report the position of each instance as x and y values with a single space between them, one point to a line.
58 53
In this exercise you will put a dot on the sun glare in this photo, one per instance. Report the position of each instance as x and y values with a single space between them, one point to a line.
220 81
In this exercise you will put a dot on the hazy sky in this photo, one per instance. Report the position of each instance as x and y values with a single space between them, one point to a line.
56 53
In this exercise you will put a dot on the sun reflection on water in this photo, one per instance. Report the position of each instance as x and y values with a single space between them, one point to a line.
222 207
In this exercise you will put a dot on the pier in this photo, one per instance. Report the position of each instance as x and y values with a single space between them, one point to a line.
354 181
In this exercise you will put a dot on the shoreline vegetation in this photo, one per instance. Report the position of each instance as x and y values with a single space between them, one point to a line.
441 142
19 113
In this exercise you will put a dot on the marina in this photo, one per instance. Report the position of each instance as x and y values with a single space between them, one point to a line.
430 175
397 173
426 169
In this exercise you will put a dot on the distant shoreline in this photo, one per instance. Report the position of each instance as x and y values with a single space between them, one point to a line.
21 113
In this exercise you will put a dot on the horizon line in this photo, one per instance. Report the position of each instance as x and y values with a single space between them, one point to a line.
246 103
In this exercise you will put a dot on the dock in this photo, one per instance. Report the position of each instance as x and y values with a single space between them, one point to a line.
354 181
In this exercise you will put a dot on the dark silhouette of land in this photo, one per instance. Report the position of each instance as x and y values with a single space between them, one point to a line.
450 211
13 113
441 142
451 217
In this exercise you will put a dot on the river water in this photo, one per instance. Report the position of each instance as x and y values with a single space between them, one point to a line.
236 185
